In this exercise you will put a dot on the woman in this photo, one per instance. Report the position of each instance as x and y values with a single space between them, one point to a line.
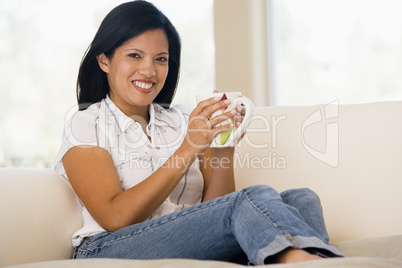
141 169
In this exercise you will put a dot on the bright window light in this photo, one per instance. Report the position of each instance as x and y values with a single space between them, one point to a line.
327 50
41 46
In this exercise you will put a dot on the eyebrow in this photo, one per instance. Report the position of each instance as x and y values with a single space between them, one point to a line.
139 50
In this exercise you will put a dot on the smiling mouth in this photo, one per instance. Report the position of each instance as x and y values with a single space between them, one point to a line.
143 85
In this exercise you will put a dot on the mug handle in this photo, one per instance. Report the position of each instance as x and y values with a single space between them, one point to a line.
236 134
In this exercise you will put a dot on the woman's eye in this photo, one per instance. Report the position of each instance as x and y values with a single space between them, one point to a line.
134 55
162 59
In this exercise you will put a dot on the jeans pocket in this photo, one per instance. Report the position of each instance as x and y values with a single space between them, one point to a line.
88 245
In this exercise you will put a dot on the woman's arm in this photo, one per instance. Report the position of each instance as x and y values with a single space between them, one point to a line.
92 173
216 166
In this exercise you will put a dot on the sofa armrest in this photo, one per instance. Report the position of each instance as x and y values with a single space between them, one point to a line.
39 213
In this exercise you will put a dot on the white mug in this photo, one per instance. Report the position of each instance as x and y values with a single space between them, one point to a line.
231 137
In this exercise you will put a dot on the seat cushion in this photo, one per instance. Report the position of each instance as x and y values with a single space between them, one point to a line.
374 252
383 247
354 262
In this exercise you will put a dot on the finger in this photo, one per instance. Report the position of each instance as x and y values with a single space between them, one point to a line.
223 117
205 103
241 109
221 129
199 121
211 109
238 119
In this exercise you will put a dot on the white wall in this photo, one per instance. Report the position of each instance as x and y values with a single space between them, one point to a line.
241 62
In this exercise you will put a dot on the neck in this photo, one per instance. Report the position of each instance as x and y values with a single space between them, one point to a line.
141 117
137 113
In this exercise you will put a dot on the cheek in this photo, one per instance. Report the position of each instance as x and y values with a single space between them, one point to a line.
118 75
163 74
125 70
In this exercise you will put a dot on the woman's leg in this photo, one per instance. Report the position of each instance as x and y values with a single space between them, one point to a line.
308 207
198 232
282 227
254 220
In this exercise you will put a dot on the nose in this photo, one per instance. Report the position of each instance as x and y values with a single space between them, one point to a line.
147 68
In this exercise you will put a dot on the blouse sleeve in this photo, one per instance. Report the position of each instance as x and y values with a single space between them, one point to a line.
80 129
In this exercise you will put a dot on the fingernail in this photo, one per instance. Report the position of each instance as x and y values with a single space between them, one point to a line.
217 98
233 111
227 101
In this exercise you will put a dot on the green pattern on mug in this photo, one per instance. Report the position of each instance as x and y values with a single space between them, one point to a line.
225 136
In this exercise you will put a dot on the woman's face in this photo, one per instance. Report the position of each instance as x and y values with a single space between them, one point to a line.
137 71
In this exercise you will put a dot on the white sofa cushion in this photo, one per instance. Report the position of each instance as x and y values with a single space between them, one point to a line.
39 213
361 194
353 262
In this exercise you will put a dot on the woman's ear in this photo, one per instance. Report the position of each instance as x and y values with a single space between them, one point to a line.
103 62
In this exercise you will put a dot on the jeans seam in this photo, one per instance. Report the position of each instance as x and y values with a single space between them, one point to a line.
83 253
107 243
258 209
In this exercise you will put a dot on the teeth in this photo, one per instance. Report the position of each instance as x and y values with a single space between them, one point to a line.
143 85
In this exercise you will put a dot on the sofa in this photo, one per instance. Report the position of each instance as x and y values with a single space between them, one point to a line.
350 155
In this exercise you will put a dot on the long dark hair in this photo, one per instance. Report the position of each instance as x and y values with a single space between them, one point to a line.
121 24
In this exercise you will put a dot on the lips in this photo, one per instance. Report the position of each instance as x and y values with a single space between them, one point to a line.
143 86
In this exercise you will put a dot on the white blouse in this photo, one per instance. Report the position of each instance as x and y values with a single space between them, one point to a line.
135 157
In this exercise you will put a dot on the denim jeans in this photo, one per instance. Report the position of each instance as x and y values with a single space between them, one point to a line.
256 222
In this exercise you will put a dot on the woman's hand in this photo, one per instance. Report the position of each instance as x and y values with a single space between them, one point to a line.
239 117
202 129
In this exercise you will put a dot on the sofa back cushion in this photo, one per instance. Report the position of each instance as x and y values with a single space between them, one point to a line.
39 213
351 155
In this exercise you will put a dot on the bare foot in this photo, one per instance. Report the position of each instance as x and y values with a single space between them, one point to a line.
293 255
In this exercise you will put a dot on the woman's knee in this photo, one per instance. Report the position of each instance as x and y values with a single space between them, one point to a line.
261 190
300 194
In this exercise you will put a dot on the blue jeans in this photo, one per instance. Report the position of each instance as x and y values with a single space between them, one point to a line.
256 222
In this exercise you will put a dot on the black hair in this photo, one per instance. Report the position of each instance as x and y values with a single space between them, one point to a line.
121 24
